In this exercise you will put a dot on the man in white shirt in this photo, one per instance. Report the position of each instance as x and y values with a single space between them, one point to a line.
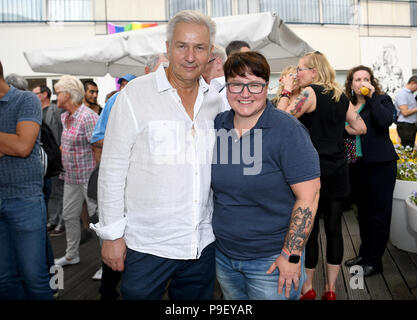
407 113
214 74
154 183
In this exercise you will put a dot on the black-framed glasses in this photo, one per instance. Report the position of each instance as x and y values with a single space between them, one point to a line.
253 87
302 69
211 60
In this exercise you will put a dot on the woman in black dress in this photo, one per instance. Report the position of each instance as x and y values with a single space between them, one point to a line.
323 108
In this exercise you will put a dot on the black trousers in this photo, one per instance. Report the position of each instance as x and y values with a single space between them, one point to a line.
331 210
407 133
372 187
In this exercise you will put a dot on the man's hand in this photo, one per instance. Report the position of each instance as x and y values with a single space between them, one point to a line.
288 273
113 253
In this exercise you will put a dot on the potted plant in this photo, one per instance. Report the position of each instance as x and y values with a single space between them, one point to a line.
411 203
401 234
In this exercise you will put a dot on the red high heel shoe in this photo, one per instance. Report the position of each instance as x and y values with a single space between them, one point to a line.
309 295
329 295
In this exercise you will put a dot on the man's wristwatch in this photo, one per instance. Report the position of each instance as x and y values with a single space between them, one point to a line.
292 258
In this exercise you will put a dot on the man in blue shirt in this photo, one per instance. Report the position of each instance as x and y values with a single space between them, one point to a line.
407 113
23 263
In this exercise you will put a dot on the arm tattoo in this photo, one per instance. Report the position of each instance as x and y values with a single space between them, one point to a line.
300 227
299 102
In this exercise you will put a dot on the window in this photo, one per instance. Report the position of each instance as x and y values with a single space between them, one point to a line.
67 10
174 6
20 10
302 11
413 13
338 11
220 8
247 6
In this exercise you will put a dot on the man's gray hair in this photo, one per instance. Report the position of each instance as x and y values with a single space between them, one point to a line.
17 81
73 86
153 60
219 51
191 16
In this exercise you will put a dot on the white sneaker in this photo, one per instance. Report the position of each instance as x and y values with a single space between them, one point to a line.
63 261
98 274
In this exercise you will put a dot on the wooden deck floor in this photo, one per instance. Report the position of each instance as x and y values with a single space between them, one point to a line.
397 282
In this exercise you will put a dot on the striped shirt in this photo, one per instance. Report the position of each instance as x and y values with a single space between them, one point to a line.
77 154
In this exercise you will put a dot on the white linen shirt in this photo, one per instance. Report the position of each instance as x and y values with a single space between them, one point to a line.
220 84
155 170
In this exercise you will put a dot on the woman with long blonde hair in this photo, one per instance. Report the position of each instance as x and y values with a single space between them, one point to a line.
323 108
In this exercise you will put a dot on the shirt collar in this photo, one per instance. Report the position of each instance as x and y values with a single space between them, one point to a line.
264 121
9 93
77 112
163 84
221 80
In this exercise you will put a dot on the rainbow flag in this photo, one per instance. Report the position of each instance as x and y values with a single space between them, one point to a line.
112 28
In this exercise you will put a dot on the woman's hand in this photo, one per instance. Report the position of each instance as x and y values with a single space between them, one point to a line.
370 87
288 81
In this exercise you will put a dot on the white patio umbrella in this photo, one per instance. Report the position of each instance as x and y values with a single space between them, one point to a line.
126 52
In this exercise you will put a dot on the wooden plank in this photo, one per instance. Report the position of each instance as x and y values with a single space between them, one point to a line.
414 292
376 286
349 252
413 257
79 275
394 279
340 285
406 266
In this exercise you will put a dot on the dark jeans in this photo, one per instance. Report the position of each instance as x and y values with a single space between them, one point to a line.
407 133
146 276
23 263
373 187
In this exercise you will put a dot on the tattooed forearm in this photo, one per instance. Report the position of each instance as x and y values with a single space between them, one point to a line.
301 225
299 102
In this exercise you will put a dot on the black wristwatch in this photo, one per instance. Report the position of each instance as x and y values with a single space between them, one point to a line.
293 258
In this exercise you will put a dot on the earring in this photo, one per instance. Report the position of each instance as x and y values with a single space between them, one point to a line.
353 93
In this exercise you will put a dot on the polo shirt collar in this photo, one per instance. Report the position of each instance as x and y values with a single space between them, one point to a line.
163 84
263 122
9 93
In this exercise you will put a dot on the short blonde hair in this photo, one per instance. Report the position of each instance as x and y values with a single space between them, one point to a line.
73 86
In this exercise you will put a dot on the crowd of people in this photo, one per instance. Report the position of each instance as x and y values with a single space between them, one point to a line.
189 174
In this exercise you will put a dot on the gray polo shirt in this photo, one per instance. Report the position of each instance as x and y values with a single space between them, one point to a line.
20 177
406 97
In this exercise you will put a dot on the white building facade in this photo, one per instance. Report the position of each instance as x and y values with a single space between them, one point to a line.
379 33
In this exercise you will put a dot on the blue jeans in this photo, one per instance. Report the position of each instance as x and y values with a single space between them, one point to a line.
23 268
145 276
247 279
